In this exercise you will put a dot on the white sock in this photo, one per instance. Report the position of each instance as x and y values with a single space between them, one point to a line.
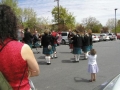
55 54
78 57
47 59
85 55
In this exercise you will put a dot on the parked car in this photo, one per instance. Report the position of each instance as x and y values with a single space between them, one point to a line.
112 36
104 37
95 38
64 37
113 84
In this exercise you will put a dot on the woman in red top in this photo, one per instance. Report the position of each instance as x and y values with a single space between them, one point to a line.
15 57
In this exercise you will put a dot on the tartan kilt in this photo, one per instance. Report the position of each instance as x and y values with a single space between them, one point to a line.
37 44
77 50
47 51
91 47
30 44
71 46
54 47
86 48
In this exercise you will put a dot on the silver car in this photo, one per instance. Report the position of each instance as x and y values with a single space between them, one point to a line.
104 37
112 36
113 84
64 37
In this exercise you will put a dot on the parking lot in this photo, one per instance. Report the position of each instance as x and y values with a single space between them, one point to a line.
63 74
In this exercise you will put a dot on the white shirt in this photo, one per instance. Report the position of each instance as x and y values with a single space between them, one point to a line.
92 59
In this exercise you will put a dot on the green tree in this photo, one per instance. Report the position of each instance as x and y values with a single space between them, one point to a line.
29 18
13 4
66 19
92 23
110 24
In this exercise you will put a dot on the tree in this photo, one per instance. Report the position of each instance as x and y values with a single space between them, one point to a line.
104 29
13 4
111 24
92 23
65 19
80 28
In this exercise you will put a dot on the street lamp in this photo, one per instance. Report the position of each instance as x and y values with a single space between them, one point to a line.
58 11
115 20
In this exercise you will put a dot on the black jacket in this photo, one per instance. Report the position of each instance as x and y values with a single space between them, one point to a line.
27 38
91 40
35 39
77 41
46 40
86 40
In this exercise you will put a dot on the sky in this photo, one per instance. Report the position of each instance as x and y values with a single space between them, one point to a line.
102 10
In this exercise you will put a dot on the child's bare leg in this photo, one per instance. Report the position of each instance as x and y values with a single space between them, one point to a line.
94 76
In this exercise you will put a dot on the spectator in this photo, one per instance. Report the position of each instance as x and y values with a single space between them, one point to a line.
16 58
28 37
92 64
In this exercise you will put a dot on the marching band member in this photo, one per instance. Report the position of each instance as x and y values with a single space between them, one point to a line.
77 44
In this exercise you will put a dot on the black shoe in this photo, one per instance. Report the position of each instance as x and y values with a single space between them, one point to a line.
77 61
48 63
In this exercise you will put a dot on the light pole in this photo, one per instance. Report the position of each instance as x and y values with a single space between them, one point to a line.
115 20
58 11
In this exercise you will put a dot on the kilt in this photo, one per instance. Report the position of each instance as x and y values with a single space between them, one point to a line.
47 51
37 44
77 50
91 47
71 46
86 48
93 68
54 47
30 44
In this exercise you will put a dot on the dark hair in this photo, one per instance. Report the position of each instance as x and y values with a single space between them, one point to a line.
92 52
26 29
8 23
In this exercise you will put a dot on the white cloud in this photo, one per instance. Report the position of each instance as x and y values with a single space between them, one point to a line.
102 10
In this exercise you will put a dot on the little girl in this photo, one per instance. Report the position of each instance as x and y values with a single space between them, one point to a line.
92 64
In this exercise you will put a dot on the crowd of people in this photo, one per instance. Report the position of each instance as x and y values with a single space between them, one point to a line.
17 61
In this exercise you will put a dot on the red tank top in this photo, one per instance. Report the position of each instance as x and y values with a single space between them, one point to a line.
13 66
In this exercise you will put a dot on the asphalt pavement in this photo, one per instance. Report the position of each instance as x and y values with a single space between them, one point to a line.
63 74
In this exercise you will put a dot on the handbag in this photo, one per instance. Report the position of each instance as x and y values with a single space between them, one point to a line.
4 85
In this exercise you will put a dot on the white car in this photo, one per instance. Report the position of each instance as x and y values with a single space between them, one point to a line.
104 37
113 84
112 36
64 37
95 38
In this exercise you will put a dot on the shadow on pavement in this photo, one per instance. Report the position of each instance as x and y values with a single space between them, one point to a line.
41 57
42 63
78 79
36 52
66 61
65 52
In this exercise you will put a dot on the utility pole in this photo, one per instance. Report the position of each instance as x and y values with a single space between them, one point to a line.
58 11
115 21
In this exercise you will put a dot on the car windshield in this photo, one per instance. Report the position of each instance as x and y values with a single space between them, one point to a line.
109 34
64 34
